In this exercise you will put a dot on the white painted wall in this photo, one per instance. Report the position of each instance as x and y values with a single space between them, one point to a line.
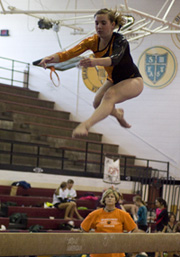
154 115
53 181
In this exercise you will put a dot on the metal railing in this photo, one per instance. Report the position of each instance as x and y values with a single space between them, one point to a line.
141 173
14 71
124 167
158 186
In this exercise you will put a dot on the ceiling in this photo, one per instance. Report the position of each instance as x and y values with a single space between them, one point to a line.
78 15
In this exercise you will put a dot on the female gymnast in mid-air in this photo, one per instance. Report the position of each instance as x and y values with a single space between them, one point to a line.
112 51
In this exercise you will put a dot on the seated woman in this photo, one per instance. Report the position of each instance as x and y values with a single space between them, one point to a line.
171 223
61 202
132 209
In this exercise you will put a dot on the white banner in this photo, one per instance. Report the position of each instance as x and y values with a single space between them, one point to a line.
111 171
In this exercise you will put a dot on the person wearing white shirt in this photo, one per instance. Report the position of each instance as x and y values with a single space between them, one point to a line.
70 191
61 201
71 195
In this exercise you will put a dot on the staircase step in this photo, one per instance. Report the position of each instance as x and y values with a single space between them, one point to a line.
50 223
4 221
40 129
39 212
13 134
63 142
18 90
34 201
26 100
25 200
29 154
31 109
18 117
45 192
6 124
131 170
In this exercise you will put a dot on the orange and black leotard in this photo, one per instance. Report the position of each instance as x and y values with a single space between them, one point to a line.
122 66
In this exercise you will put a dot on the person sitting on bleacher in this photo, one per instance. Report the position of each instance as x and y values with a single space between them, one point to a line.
71 192
61 201
71 195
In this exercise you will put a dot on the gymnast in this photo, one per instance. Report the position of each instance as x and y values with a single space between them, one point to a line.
112 51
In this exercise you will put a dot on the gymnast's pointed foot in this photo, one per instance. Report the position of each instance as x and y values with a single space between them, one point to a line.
80 131
121 120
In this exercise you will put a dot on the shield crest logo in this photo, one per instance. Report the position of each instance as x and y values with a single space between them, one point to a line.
158 66
155 66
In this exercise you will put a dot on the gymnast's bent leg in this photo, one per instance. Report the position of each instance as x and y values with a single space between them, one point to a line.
117 113
118 93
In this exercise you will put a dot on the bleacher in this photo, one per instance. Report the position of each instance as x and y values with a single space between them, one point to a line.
34 134
31 202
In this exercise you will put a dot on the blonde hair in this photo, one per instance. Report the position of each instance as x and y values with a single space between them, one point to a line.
107 192
114 16
62 185
138 199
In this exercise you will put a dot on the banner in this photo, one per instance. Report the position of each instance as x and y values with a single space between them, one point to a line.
111 171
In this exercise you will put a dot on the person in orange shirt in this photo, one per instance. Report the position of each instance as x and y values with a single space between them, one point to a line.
111 51
109 219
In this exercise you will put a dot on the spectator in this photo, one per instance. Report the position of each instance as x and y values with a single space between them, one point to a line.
61 202
171 223
161 218
132 209
161 215
71 192
141 213
71 195
109 219
120 202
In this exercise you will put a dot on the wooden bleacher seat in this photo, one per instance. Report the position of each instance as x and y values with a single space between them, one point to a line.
44 192
26 99
50 223
25 200
18 90
41 128
4 221
39 118
28 108
39 201
52 127
40 212
31 201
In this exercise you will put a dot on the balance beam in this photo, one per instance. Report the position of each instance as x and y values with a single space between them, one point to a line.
19 244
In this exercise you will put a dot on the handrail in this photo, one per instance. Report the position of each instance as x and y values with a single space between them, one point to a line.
86 152
125 160
11 77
